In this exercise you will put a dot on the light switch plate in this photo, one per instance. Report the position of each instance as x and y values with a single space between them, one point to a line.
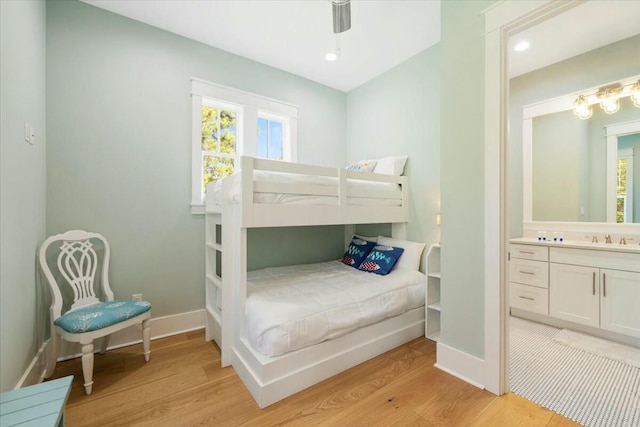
27 132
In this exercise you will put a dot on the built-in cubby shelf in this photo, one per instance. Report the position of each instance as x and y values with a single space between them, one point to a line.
213 267
432 306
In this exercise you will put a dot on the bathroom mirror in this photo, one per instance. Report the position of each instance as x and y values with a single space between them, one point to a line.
581 170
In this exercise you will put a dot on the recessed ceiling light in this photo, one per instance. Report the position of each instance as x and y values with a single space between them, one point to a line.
523 45
331 56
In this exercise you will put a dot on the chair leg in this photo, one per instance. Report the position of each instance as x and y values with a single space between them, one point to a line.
87 366
105 344
53 353
146 336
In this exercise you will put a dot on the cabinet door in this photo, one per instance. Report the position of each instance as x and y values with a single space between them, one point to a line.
620 302
574 293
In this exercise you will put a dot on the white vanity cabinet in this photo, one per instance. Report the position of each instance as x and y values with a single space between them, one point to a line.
529 278
574 293
598 288
620 301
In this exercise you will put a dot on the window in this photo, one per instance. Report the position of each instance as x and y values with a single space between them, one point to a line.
271 137
624 181
228 123
218 137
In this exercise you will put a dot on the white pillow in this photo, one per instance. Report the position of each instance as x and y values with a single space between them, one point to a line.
410 258
393 165
362 166
368 238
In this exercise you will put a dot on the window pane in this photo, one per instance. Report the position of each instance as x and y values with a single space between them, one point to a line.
622 176
275 140
209 128
263 137
216 168
621 201
228 127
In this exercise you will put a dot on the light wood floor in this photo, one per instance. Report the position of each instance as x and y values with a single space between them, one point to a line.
183 385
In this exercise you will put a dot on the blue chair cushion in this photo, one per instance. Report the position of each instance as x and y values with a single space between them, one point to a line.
101 315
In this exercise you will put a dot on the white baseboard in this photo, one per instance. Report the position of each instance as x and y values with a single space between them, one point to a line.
35 371
160 327
460 364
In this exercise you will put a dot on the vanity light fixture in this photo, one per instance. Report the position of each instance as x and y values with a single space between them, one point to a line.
609 99
635 94
582 108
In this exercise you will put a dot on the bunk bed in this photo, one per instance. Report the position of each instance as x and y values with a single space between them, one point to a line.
267 193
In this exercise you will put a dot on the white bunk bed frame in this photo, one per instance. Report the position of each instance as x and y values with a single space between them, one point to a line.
270 379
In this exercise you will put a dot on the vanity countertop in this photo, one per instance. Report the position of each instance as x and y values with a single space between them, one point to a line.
631 247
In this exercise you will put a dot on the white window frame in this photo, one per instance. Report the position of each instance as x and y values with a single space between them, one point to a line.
248 107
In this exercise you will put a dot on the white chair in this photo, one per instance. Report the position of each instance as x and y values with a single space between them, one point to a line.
88 317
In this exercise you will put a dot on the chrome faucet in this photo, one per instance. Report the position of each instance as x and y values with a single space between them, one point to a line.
623 240
607 238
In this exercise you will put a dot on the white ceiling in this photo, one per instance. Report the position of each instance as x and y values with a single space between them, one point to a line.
295 35
586 27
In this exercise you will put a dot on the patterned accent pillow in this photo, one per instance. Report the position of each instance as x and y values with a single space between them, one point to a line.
381 259
362 166
357 251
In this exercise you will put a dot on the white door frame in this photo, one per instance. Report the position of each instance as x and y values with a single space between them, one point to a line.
502 20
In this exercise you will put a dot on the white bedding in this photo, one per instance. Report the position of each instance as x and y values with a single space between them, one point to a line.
390 194
288 308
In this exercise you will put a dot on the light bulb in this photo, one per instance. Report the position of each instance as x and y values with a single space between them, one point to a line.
610 105
581 108
635 94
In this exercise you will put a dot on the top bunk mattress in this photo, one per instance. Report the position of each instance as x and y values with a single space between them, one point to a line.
289 308
386 193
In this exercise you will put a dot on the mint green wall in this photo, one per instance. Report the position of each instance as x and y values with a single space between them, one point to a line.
609 63
462 175
268 247
119 153
397 113
633 141
22 182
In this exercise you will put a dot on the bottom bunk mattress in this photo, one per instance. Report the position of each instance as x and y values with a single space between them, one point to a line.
288 308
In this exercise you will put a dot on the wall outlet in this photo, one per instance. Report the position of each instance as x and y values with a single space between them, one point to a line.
136 297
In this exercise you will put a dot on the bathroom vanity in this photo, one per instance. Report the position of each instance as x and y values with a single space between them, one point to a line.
595 286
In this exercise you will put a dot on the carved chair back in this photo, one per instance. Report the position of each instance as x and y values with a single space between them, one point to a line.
77 262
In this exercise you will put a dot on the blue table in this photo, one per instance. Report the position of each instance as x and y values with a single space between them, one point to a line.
39 405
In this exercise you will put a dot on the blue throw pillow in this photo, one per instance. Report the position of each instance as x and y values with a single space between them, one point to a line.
381 259
357 251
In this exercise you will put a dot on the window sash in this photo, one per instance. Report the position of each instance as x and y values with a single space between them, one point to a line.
248 108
